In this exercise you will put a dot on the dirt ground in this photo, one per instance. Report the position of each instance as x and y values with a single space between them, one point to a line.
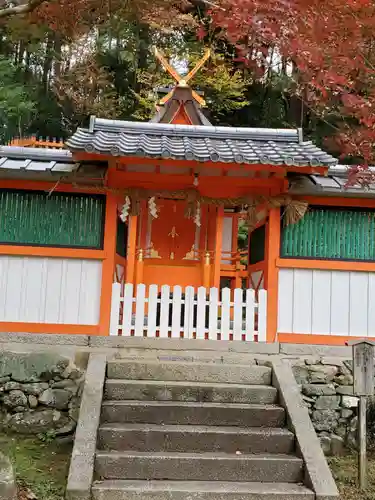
41 467
345 470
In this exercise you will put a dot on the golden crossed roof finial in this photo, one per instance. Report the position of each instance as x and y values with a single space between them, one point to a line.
182 81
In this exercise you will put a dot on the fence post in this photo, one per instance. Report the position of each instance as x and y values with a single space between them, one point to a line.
262 316
115 309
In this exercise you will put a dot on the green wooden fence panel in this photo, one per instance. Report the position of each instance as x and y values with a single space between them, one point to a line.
34 218
331 234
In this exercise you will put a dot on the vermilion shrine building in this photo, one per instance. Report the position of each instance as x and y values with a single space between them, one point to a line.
159 203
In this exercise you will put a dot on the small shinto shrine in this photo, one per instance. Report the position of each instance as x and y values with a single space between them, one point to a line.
159 204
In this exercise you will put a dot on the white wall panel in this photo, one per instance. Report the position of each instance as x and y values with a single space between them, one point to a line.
358 305
302 298
325 302
227 239
286 292
49 290
371 302
321 302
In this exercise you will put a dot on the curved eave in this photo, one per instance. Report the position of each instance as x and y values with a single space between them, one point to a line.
281 169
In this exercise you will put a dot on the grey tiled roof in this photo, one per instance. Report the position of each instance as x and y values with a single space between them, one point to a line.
200 143
36 160
334 184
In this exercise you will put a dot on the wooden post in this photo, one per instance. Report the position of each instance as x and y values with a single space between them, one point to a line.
139 267
271 275
131 252
218 246
206 270
363 375
362 435
110 230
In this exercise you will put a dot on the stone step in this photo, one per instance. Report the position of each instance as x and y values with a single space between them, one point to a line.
198 490
180 413
153 390
198 467
189 372
190 438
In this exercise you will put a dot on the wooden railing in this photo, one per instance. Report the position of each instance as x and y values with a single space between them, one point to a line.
38 142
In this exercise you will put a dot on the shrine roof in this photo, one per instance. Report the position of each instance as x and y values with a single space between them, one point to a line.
199 143
36 159
334 184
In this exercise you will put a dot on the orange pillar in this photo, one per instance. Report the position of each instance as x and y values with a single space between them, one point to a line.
110 233
218 246
271 274
132 249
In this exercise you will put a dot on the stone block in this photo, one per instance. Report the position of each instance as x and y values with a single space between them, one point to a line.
325 442
346 413
325 420
301 373
349 402
318 390
332 361
322 373
344 380
8 488
45 339
36 421
317 472
55 398
82 462
327 403
316 350
15 399
337 445
345 390
31 367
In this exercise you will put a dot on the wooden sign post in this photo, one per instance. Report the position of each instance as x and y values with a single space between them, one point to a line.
363 373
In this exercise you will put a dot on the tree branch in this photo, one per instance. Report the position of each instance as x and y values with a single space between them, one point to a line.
20 9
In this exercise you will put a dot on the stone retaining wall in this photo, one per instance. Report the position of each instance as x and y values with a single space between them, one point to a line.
327 390
39 393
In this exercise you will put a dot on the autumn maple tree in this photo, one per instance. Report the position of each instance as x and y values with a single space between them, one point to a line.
327 50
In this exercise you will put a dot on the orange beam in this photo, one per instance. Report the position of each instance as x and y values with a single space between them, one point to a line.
110 230
193 163
15 327
63 253
334 265
338 201
259 266
157 178
46 186
132 247
271 275
302 338
218 246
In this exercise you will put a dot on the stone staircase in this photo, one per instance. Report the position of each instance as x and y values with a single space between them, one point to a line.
173 430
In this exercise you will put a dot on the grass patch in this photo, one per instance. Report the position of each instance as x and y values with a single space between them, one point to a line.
40 466
345 471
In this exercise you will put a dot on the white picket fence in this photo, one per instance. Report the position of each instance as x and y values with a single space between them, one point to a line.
188 313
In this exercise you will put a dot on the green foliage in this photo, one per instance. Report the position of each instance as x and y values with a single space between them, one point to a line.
48 436
16 103
243 235
57 70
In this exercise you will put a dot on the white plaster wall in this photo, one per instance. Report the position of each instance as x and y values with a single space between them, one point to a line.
50 290
257 278
324 302
227 239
